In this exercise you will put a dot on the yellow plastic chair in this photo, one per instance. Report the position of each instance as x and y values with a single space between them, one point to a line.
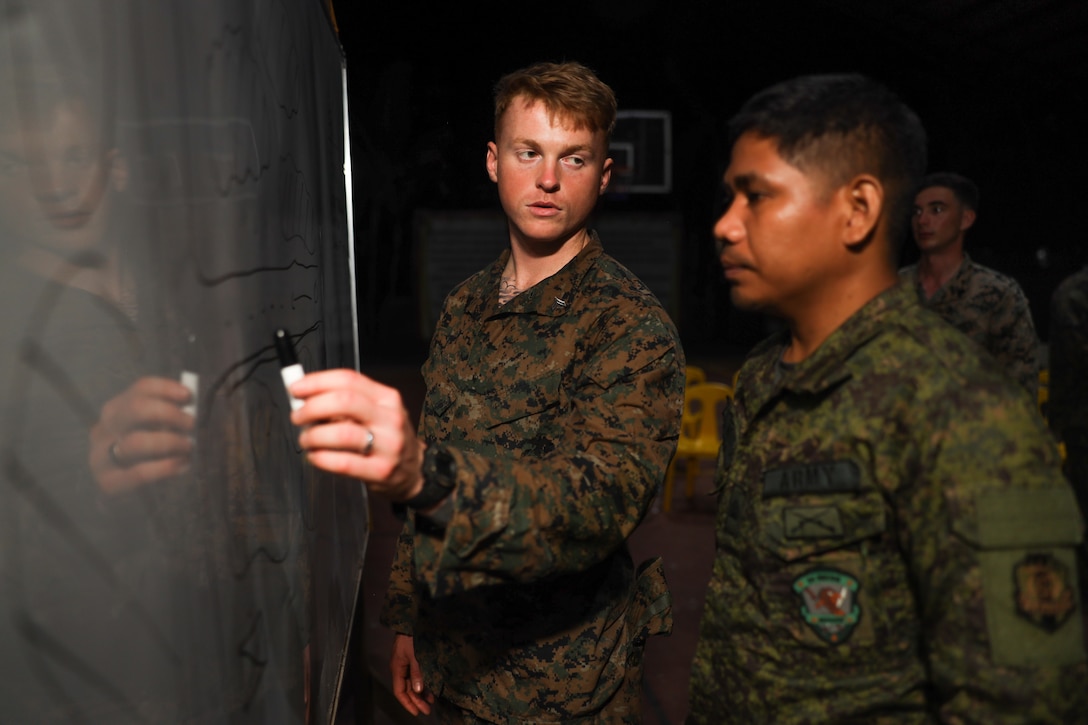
700 437
695 375
1044 401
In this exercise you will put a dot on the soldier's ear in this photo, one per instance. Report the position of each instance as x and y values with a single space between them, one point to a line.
967 219
606 175
864 199
492 161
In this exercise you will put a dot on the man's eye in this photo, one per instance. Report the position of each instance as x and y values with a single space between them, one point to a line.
753 197
574 161
723 202
527 155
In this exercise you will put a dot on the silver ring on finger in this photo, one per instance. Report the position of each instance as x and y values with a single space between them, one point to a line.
368 447
115 456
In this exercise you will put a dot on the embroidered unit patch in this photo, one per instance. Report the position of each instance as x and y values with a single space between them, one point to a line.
1044 593
829 603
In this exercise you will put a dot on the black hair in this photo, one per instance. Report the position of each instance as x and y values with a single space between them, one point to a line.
841 125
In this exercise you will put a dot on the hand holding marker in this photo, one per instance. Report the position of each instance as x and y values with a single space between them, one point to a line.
342 415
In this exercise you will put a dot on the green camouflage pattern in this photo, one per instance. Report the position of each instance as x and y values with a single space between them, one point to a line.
561 410
1067 406
991 309
877 502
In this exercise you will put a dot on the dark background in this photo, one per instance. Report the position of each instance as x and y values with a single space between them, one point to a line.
999 85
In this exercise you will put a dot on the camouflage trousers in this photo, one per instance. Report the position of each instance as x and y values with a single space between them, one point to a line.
625 708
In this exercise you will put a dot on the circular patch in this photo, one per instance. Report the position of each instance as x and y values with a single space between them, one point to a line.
829 603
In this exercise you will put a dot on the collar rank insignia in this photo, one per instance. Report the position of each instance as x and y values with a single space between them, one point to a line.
829 603
1044 594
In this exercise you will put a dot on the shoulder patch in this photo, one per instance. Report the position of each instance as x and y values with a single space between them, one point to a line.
1044 591
1032 599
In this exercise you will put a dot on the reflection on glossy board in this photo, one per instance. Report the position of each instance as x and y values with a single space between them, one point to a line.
171 191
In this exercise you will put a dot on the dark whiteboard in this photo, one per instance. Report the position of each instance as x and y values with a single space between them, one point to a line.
172 190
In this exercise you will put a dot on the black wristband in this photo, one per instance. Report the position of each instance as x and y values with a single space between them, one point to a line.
439 480
435 521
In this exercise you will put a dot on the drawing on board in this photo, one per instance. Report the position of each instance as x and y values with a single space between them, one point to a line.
171 191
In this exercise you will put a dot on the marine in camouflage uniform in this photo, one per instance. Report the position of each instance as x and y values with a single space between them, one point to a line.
559 410
555 386
1067 408
991 309
895 542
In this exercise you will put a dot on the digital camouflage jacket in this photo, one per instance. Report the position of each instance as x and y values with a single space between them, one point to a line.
561 411
1067 408
895 540
991 309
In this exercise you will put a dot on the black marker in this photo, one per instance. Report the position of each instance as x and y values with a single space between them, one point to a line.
290 369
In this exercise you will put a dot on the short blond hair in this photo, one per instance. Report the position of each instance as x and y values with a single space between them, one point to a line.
569 90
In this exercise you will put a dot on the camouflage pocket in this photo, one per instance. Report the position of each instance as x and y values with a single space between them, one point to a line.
1026 541
827 591
439 398
651 612
519 402
800 527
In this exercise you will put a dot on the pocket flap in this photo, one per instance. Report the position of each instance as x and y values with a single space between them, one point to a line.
439 397
652 610
1019 518
795 529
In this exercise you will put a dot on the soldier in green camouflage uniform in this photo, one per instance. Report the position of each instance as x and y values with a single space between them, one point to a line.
895 541
1067 409
987 306
555 384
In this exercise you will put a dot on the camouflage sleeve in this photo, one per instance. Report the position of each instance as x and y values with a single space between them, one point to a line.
990 534
1014 335
522 519
399 611
1068 406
